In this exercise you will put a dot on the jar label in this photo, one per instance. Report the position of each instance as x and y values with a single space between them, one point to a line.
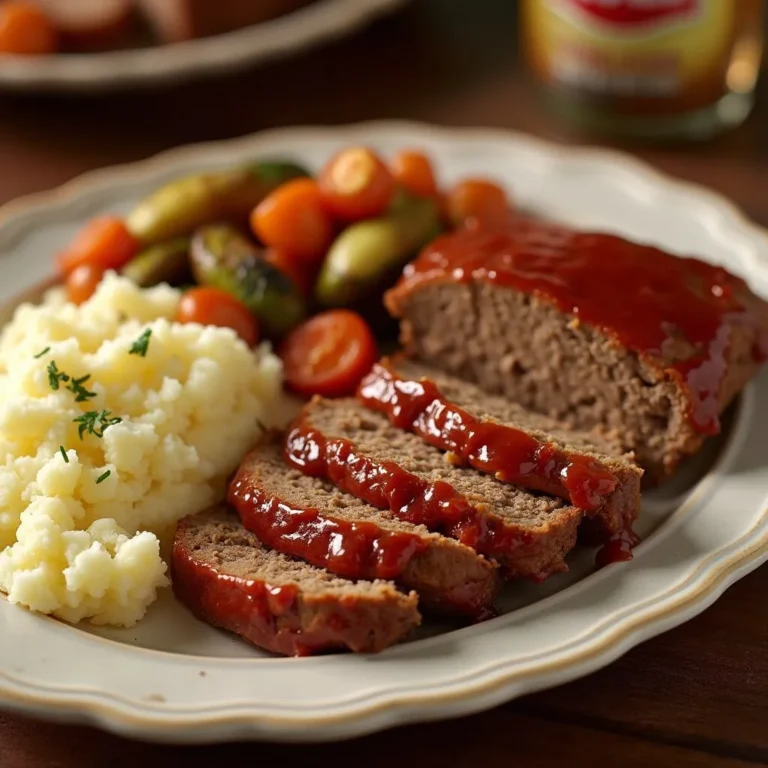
628 16
638 55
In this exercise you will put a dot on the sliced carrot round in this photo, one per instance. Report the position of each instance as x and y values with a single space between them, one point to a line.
477 199
293 218
103 242
356 184
414 171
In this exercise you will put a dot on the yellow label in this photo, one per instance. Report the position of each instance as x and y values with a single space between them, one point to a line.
633 49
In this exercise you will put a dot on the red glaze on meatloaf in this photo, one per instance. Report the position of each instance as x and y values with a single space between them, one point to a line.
228 578
502 439
361 453
307 518
586 327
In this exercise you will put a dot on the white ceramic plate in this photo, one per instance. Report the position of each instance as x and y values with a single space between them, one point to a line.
173 678
318 23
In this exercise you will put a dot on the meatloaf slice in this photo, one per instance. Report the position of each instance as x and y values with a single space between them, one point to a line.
307 518
228 578
363 454
501 438
587 328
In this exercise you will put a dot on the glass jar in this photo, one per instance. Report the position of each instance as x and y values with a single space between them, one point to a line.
646 68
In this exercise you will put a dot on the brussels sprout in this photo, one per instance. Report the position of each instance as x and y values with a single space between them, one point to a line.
365 254
223 258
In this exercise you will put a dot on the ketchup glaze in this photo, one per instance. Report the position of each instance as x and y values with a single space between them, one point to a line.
648 300
510 454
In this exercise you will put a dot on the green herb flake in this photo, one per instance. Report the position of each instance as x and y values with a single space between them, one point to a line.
64 454
42 352
55 376
82 394
95 422
141 345
103 477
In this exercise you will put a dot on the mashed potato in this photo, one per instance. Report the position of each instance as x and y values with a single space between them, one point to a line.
81 516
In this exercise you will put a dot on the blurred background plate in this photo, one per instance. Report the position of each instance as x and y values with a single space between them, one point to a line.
320 22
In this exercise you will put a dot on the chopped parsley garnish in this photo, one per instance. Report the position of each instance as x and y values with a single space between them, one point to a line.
81 393
140 346
103 477
42 352
64 454
95 422
55 376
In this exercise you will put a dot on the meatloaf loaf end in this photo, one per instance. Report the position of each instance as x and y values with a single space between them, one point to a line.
363 454
228 578
501 438
587 328
307 518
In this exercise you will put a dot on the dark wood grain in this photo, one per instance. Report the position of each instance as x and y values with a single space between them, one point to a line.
696 696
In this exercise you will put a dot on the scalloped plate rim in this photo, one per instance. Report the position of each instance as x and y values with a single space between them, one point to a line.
700 588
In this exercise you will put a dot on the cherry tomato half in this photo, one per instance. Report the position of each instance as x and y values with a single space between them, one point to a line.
293 218
478 199
413 170
25 29
82 281
328 354
356 184
211 306
103 242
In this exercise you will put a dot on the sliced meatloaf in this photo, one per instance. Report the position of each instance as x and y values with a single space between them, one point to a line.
307 518
228 578
501 438
587 328
363 454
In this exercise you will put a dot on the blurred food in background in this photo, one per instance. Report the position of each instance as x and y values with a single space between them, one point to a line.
38 27
651 69
175 20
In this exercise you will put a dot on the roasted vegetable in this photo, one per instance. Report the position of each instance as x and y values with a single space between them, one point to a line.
167 262
183 205
293 218
356 184
478 199
103 242
211 306
224 258
366 253
329 354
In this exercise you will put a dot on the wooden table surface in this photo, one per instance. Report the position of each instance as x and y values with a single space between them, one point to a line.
696 696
